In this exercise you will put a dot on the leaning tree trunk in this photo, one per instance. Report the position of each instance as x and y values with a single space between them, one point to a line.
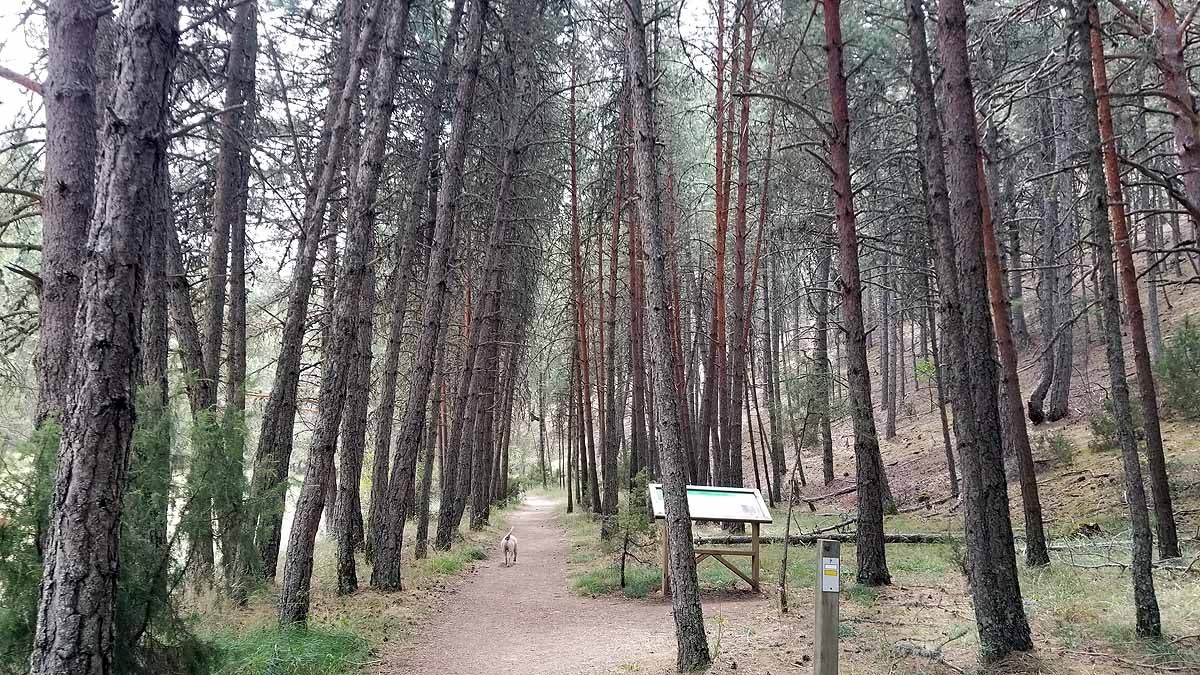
685 592
70 99
992 566
385 575
348 521
230 201
1149 622
432 434
75 610
273 454
402 275
872 560
1049 259
331 400
1160 486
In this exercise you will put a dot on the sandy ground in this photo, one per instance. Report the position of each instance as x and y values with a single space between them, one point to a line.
525 618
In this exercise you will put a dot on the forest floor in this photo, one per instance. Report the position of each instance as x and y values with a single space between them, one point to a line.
525 619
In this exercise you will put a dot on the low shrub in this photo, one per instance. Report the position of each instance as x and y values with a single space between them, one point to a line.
1178 370
1103 425
1057 447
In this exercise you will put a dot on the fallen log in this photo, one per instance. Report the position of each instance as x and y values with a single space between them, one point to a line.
811 539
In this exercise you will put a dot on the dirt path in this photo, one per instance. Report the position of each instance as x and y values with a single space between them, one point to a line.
525 619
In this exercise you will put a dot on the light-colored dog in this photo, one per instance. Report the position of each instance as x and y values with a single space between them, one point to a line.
510 546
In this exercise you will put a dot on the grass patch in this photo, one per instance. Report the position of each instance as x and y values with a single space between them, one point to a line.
444 563
640 581
454 561
290 651
866 595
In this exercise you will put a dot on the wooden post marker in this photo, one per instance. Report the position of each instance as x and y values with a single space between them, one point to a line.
829 585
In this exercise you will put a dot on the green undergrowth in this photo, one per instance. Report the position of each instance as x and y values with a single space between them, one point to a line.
454 561
346 634
291 651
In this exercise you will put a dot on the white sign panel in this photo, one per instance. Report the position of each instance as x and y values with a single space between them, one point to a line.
831 569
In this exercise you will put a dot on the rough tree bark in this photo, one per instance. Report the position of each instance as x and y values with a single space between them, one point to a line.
75 613
1149 622
1160 486
685 592
992 565
348 521
67 193
360 244
872 560
1010 387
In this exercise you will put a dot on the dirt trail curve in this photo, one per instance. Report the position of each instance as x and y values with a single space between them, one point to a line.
526 620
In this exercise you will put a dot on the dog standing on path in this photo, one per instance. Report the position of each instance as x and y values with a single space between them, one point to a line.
510 545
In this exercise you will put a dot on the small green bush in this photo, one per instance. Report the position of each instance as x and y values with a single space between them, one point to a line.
1103 425
26 481
1057 447
473 553
1178 370
291 651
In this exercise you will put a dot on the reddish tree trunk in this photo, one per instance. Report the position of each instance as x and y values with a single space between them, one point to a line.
872 561
1160 486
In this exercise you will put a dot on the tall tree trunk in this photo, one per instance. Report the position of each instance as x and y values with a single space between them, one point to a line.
737 326
685 596
992 565
1050 258
360 244
397 290
1160 487
771 375
385 575
272 457
1014 429
614 431
1064 347
821 369
230 202
69 187
75 613
433 433
1149 622
348 520
872 560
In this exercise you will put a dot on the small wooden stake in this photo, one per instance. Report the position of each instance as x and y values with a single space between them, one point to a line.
666 563
829 569
754 556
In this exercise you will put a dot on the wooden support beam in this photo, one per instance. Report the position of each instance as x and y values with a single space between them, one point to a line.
732 568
